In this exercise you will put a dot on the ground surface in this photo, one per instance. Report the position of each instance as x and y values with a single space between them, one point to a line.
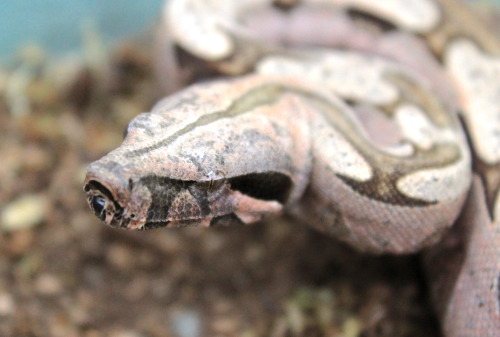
63 273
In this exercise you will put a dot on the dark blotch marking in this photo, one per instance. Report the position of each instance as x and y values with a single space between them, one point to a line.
380 23
164 191
226 220
390 195
284 5
265 185
199 192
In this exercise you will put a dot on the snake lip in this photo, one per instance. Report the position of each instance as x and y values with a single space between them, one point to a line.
153 224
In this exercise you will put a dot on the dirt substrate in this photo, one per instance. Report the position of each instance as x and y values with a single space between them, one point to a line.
63 273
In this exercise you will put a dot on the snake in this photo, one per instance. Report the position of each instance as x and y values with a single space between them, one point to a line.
377 123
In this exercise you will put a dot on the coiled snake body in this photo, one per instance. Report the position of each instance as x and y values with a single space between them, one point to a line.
376 122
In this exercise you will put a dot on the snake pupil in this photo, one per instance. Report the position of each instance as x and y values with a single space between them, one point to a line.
98 204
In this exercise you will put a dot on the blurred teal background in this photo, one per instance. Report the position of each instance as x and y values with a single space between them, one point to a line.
57 24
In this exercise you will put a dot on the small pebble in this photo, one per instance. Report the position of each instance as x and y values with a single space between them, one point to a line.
25 212
186 323
352 327
6 304
47 284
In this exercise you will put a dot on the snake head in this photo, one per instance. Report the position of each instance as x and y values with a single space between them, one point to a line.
126 200
114 199
195 162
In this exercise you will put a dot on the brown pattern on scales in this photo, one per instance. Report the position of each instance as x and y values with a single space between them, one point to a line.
305 132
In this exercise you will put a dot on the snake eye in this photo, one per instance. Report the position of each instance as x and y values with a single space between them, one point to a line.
102 203
98 203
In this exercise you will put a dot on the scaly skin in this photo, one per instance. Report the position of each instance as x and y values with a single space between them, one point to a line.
358 135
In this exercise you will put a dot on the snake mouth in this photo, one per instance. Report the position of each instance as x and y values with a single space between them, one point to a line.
103 204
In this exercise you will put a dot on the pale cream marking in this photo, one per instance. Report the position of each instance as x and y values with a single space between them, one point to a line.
438 184
399 150
195 26
350 75
342 157
414 15
201 26
477 77
418 128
